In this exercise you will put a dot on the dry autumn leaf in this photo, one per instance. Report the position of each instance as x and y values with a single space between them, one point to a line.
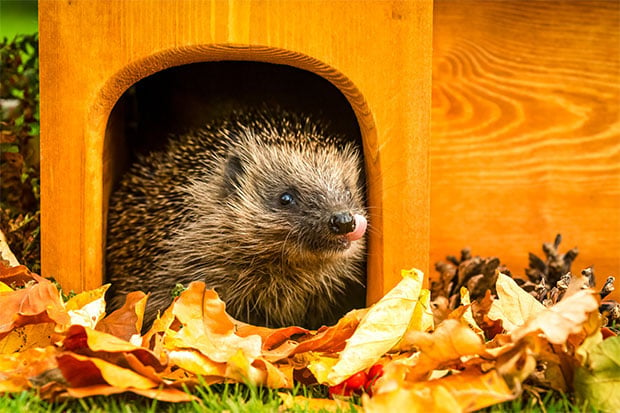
18 275
381 328
441 348
87 308
207 328
559 321
459 392
39 302
514 305
126 322
18 371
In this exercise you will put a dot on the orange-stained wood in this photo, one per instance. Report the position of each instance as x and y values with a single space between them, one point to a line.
378 55
526 130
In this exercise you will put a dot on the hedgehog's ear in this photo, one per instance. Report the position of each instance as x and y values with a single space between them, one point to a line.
232 174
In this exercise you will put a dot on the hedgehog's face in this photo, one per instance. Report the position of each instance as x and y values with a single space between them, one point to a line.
307 204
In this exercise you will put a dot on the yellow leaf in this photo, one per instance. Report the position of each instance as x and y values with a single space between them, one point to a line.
422 319
468 315
382 328
565 318
321 366
290 402
4 287
195 362
87 308
26 337
514 306
240 368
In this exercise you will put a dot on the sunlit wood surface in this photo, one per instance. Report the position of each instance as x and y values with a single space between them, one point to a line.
526 130
378 53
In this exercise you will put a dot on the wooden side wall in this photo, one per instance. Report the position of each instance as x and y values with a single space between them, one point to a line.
526 130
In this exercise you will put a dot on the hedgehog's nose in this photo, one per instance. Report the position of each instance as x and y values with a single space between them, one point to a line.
342 223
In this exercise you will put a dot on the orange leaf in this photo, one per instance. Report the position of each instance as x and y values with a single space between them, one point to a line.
82 371
461 392
332 339
474 390
163 394
201 308
276 378
127 320
272 337
79 338
207 328
436 399
37 303
447 344
18 369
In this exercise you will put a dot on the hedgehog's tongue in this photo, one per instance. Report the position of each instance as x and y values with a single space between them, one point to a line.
360 228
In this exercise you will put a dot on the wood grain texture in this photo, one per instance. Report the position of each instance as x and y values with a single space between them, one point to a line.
378 55
526 130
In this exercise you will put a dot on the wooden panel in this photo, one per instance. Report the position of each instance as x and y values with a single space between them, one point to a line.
526 130
379 55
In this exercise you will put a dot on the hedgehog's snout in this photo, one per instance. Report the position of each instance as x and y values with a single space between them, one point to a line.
351 225
342 223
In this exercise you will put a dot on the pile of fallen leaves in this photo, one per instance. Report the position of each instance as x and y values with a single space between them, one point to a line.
479 354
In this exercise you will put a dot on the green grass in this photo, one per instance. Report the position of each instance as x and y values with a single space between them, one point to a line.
236 398
233 398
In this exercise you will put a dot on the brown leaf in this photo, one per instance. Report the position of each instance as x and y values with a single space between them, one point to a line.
19 275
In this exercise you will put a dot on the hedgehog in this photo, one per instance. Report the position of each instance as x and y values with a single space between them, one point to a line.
266 206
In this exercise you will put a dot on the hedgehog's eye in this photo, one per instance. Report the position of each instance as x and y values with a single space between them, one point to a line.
347 192
286 199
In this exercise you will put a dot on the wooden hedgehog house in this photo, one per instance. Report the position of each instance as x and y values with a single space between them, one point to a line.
107 67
